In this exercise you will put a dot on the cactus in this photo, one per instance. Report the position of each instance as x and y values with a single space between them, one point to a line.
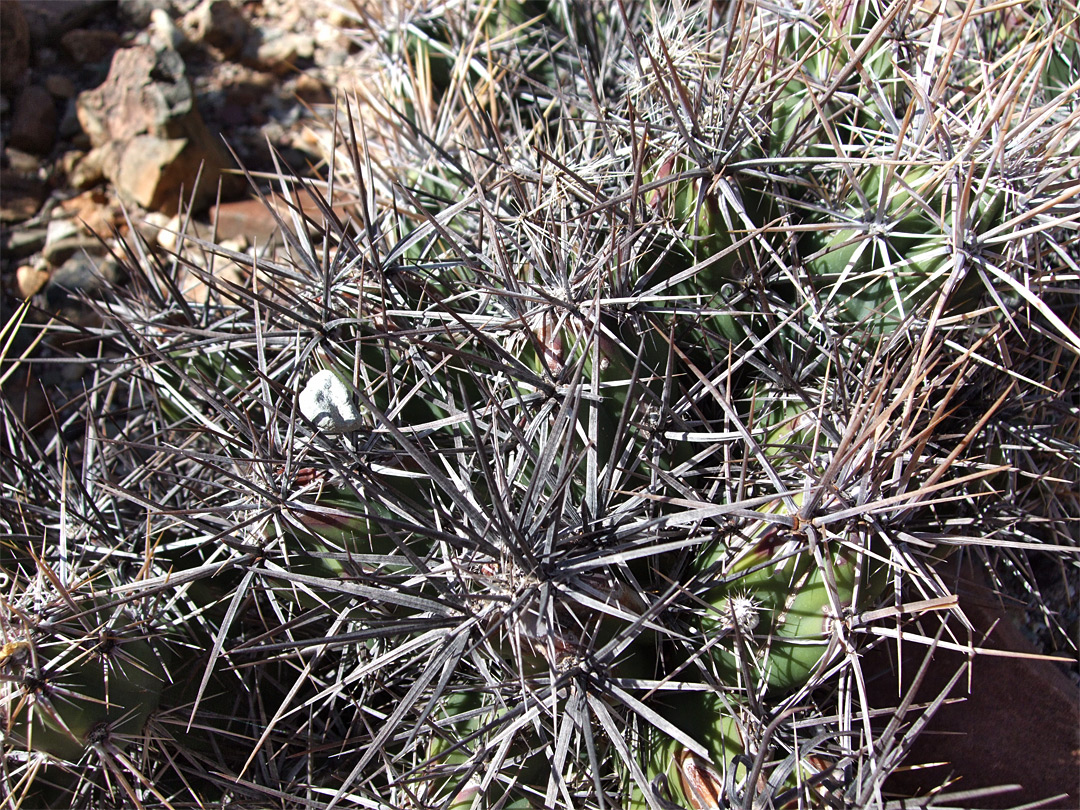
571 478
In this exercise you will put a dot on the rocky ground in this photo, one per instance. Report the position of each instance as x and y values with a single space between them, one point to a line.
111 110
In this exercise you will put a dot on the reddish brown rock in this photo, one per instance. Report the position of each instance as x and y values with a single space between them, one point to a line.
248 218
144 112
87 46
60 86
252 220
20 196
33 122
95 213
1018 725
144 93
157 172
14 46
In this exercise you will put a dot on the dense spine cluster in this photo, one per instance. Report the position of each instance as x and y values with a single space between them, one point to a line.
663 354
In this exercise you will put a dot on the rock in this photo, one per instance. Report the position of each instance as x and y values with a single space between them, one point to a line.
168 235
309 89
51 19
64 238
60 228
144 92
144 112
220 25
33 123
149 227
247 89
95 214
195 289
22 196
328 403
139 12
15 52
60 86
69 129
338 17
23 162
79 275
164 35
157 173
247 218
23 241
68 162
86 46
254 221
29 280
280 54
45 57
1019 711
89 170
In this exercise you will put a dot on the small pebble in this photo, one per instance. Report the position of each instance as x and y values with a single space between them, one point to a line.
327 402
60 85
30 280
23 162
169 234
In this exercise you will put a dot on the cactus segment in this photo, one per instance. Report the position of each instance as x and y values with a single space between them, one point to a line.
881 271
781 614
681 776
865 100
456 763
73 696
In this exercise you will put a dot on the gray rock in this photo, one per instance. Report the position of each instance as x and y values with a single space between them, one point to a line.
64 238
22 242
327 402
59 228
78 276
